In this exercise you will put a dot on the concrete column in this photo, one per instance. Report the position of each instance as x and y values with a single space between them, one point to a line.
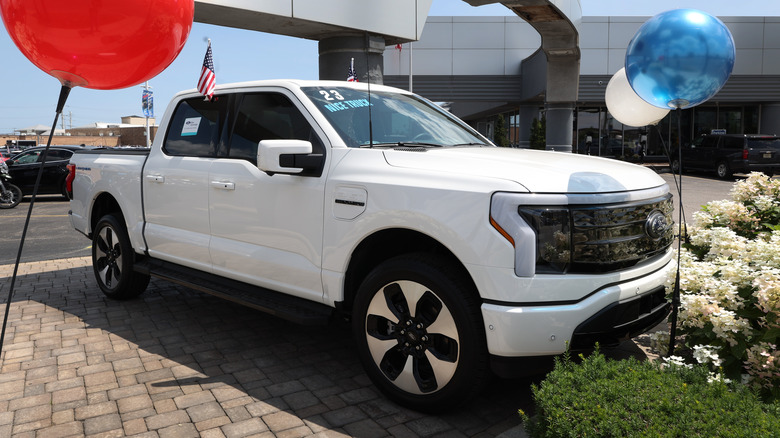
560 125
367 51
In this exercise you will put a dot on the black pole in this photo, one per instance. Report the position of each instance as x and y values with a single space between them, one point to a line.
64 92
368 83
680 237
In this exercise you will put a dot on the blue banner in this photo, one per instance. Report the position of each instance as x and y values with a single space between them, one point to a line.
147 103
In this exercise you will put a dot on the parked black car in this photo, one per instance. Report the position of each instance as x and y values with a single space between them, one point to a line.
727 154
23 168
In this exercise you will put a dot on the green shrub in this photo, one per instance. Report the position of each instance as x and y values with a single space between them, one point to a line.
629 398
538 137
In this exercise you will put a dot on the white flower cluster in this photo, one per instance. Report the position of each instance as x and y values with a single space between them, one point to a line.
763 251
767 292
722 214
755 186
731 271
677 361
717 377
707 354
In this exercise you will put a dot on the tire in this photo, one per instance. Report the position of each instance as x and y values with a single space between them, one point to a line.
676 166
64 189
11 197
112 260
419 332
723 170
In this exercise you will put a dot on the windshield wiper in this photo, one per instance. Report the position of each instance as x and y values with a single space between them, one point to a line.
403 144
471 144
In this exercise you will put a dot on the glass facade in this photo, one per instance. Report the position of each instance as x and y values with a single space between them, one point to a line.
598 133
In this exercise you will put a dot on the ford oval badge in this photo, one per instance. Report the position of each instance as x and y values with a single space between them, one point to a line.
656 225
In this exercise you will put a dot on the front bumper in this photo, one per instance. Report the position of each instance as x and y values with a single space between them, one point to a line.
613 313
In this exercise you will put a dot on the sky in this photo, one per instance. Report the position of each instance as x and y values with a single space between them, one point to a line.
30 95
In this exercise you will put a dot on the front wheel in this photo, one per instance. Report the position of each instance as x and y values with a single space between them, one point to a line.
11 196
723 170
419 331
112 260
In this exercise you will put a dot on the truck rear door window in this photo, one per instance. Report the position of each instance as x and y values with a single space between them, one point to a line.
736 143
195 127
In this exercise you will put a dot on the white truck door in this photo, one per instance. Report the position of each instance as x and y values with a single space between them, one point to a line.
267 230
176 184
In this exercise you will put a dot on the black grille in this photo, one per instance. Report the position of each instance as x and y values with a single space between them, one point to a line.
611 237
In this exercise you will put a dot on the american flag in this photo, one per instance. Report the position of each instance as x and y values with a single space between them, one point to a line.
207 79
351 76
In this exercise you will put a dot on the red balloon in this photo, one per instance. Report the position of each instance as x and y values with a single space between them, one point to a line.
100 44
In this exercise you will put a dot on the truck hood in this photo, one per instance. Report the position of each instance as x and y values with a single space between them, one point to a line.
537 171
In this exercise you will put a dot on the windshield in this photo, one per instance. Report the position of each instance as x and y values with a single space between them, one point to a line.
396 119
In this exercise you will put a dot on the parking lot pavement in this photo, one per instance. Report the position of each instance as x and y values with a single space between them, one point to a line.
178 363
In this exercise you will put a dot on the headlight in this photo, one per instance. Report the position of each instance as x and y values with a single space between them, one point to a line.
553 237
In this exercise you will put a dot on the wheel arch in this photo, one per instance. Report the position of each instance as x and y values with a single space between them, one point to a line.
104 204
386 244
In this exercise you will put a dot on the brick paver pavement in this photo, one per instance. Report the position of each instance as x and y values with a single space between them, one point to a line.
178 363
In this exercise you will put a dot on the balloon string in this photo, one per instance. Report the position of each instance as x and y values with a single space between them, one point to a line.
64 92
680 237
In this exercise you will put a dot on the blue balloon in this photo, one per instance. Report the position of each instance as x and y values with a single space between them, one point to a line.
680 58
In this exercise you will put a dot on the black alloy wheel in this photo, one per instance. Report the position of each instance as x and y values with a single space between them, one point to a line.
112 260
420 333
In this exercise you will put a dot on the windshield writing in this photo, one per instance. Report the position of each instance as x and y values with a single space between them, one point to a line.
395 118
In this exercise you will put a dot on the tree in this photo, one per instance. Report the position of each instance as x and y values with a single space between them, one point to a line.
500 136
538 138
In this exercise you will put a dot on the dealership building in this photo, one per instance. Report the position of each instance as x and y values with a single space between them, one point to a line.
486 67
545 62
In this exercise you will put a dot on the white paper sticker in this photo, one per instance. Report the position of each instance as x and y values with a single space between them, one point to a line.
190 126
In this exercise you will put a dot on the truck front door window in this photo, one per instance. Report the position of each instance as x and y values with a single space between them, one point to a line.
268 116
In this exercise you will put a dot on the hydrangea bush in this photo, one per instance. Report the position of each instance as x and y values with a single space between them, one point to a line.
730 285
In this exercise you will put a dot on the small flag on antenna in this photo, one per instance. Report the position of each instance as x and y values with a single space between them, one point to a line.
208 79
351 76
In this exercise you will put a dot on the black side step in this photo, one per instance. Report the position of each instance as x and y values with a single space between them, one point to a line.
294 309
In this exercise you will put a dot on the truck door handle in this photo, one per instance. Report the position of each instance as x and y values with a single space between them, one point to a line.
155 178
223 185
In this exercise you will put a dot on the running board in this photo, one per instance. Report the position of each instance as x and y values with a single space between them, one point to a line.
294 309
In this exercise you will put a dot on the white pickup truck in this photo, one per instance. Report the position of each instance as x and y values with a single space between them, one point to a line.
451 257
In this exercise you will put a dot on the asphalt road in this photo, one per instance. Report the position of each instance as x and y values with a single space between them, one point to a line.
50 235
698 190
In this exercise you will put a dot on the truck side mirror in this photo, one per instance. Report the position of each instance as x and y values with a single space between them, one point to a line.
283 156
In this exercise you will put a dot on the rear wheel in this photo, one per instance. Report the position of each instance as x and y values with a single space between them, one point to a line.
11 197
64 188
112 260
723 170
676 166
420 335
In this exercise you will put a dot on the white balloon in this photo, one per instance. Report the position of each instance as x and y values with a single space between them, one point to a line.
627 107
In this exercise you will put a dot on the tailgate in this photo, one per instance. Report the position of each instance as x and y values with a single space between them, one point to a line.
764 150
